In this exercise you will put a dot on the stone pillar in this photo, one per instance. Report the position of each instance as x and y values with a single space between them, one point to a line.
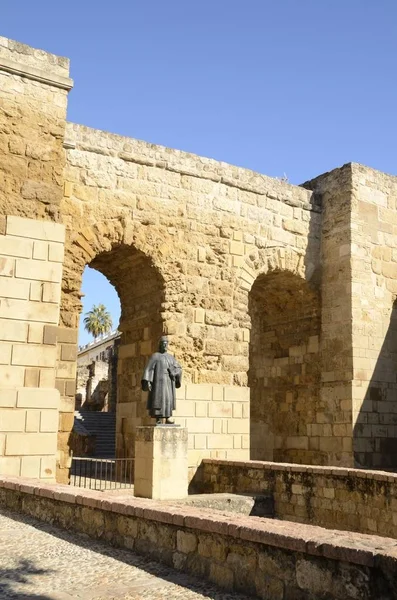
31 254
331 430
161 465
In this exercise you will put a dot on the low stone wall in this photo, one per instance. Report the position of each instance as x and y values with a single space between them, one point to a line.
266 558
337 498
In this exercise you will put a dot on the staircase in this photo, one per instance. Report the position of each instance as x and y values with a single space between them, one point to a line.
103 426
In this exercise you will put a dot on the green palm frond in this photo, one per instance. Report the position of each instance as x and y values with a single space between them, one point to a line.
98 321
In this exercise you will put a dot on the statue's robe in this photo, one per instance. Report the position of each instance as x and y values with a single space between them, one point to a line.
165 374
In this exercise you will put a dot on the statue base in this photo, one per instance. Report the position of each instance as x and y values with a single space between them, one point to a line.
161 465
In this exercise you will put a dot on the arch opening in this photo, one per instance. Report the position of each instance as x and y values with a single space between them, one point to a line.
284 369
96 385
140 289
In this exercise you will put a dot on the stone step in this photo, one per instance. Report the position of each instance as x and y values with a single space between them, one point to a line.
103 426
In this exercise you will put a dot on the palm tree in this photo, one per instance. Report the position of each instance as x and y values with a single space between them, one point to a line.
98 321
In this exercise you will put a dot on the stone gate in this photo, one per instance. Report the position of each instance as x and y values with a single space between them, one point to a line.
278 299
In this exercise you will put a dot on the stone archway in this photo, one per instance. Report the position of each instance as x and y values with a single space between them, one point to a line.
282 310
123 259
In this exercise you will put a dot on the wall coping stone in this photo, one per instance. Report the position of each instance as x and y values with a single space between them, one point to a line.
87 139
357 548
295 468
24 70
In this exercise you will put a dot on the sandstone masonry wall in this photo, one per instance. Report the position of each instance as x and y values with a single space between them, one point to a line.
31 254
336 498
193 247
285 370
33 96
264 558
374 310
182 238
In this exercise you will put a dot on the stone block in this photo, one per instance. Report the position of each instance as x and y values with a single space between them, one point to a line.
199 315
217 392
66 370
68 352
5 353
36 291
49 421
14 288
238 426
65 422
7 266
29 311
127 351
11 246
40 250
32 421
70 388
186 542
197 425
50 334
47 467
8 398
12 419
31 444
236 248
47 378
56 252
34 229
67 405
38 270
161 465
13 331
237 394
35 335
30 467
219 441
10 465
33 356
2 443
51 292
220 409
38 398
11 377
200 409
198 391
146 348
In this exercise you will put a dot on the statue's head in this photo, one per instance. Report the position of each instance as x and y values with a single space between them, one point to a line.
163 344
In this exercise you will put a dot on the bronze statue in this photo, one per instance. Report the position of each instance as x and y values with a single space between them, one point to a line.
162 375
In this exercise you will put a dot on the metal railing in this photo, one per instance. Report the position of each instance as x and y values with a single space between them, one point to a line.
102 473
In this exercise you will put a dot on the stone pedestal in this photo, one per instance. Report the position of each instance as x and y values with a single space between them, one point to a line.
161 465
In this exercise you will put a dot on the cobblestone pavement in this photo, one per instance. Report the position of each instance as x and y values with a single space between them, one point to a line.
41 562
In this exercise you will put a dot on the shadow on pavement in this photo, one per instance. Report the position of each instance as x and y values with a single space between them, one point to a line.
150 566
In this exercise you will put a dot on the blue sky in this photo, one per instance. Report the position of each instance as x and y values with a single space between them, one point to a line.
279 86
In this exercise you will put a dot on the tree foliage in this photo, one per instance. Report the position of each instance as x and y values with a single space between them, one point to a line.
98 321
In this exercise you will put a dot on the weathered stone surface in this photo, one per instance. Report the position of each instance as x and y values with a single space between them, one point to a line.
266 558
230 263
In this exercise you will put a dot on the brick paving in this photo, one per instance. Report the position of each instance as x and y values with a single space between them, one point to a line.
41 562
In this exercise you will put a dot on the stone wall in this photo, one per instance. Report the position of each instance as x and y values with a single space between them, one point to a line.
359 354
182 239
33 98
217 419
31 254
336 498
374 293
287 289
264 558
285 370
